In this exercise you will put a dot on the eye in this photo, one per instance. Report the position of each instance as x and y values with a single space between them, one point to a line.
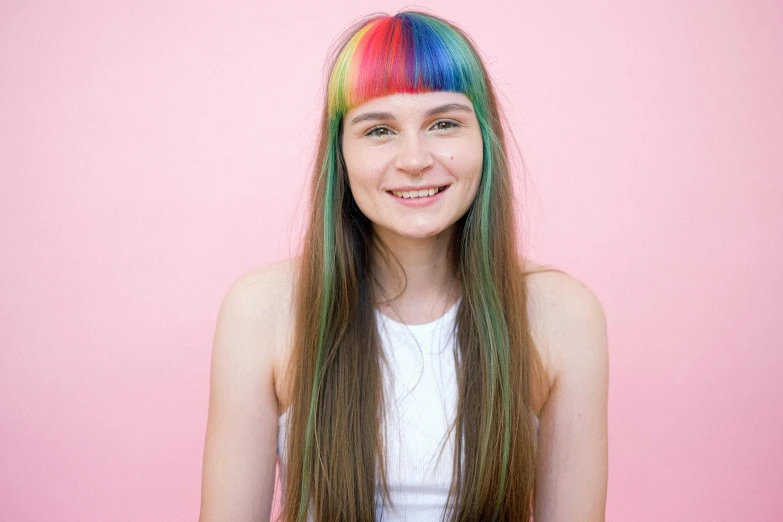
445 125
378 132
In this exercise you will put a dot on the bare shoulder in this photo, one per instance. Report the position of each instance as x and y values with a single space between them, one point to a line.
569 326
262 301
562 299
264 286
239 448
567 319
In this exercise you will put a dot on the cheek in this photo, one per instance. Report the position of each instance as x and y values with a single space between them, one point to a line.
363 182
466 162
362 177
356 171
349 158
363 168
466 150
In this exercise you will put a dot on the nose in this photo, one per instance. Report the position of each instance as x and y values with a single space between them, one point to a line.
413 155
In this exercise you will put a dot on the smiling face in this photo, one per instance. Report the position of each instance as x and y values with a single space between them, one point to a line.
387 141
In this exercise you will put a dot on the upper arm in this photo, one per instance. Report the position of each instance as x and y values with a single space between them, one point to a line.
572 459
241 436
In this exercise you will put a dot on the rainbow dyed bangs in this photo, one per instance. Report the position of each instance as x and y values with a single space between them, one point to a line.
406 53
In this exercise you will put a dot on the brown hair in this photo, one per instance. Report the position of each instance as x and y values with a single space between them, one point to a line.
335 453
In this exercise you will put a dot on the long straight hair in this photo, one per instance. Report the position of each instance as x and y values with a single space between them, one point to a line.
336 467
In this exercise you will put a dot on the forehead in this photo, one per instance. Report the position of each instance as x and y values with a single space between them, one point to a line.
408 104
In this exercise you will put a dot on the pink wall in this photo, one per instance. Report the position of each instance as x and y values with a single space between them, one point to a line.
150 153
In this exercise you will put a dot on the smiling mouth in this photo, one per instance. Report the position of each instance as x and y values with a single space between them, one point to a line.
412 194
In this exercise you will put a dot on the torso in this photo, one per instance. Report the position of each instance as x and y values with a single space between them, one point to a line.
283 337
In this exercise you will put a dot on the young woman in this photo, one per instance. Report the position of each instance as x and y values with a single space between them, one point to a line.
411 364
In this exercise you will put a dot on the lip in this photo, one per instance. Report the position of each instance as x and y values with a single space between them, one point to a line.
408 188
422 201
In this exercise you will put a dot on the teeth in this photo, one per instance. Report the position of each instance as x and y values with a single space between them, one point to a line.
416 193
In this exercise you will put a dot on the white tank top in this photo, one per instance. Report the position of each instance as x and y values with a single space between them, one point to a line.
421 402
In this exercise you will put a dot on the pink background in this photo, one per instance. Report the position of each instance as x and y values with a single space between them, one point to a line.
151 152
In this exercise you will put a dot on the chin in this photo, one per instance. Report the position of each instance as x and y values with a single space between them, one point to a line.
413 231
421 233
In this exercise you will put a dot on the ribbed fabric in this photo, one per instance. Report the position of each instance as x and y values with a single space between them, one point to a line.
421 401
421 392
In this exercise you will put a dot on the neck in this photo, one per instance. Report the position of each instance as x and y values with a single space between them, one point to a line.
417 281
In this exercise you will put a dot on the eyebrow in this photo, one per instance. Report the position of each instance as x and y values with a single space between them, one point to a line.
371 116
440 109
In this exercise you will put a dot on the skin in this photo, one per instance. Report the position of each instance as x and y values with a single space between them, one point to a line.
386 139
249 387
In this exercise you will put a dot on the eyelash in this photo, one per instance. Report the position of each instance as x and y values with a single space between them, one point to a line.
370 132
